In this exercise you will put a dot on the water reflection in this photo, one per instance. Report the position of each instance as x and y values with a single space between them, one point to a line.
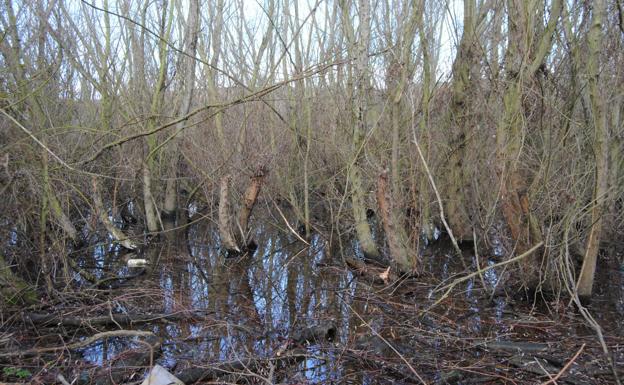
254 302
251 305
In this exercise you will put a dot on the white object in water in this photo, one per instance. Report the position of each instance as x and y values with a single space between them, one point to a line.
160 376
137 262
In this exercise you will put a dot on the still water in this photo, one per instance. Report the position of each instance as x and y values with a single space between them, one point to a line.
249 307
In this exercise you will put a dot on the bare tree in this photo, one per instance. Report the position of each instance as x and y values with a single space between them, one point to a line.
600 147
359 48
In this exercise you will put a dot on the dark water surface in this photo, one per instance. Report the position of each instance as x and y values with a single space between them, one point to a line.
235 308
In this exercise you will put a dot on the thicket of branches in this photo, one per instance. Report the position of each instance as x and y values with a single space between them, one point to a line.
497 117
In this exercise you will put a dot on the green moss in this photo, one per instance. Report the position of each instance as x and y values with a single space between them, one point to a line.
13 289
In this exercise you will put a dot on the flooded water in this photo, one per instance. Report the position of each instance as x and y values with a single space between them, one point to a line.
248 305
253 306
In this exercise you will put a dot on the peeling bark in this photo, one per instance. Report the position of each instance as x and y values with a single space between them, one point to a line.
249 201
394 233
117 234
225 227
151 217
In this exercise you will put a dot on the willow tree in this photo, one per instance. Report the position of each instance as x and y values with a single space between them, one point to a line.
427 81
600 149
528 44
186 72
209 50
358 47
31 85
400 61
466 68
158 94
100 70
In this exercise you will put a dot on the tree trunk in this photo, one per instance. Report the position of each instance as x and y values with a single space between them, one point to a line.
151 215
188 85
116 233
459 121
225 225
394 235
523 61
601 152
358 196
151 210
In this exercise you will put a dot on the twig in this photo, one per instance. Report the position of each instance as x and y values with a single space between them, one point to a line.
438 198
62 379
385 341
476 255
565 367
47 149
456 282
289 226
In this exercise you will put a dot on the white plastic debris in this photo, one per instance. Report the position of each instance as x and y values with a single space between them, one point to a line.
138 262
160 376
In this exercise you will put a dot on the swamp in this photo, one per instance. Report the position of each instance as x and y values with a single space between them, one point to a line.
311 192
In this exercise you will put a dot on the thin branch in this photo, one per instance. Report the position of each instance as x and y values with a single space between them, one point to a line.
456 282
253 96
437 194
565 367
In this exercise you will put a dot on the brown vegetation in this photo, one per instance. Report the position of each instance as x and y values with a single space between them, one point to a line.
502 126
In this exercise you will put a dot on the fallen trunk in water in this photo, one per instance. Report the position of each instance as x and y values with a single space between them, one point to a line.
112 319
291 354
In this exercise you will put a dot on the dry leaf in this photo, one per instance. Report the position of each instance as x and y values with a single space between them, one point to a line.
385 275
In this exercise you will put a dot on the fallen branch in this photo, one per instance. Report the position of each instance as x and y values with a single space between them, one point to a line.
81 344
376 274
565 368
292 354
515 346
241 366
289 226
114 319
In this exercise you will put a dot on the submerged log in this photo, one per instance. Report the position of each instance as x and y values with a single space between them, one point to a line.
293 354
113 319
323 332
